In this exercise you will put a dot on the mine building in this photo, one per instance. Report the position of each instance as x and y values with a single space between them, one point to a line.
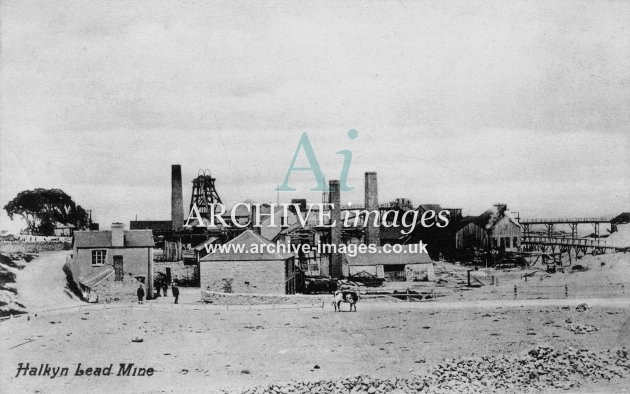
252 273
623 218
393 267
494 232
312 263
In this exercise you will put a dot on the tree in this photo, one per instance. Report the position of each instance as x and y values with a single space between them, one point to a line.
44 209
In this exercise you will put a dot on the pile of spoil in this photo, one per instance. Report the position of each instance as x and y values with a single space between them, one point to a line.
539 369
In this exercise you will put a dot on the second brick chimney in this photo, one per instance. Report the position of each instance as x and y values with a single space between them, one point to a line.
118 235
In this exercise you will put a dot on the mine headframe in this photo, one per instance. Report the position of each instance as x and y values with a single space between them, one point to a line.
204 192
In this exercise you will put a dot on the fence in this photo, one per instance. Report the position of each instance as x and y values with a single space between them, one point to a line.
516 292
603 219
564 241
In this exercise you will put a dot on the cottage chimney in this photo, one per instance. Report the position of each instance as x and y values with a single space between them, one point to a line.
372 233
177 199
118 235
335 231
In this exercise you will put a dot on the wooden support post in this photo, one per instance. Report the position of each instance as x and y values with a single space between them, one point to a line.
573 229
550 229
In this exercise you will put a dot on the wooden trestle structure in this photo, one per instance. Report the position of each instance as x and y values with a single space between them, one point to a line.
552 248
551 224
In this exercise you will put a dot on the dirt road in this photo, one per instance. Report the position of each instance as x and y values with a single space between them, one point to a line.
194 349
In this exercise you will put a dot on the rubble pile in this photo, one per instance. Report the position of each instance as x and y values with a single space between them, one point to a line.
358 384
580 328
582 308
538 369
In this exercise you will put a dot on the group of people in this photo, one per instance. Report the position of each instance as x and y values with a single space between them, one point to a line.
164 286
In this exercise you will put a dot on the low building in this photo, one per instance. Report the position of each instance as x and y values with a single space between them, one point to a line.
504 235
623 218
312 263
394 267
240 271
127 252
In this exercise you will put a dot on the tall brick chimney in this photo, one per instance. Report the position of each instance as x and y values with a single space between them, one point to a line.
372 233
177 199
336 270
118 235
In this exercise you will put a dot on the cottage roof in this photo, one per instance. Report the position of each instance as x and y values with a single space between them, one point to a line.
380 258
247 239
103 239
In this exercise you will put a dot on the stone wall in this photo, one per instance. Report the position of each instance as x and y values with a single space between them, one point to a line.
258 277
178 269
32 247
419 272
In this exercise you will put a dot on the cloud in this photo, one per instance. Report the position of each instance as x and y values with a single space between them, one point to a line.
447 96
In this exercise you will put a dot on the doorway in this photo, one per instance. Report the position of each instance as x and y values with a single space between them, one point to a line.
395 273
168 275
118 268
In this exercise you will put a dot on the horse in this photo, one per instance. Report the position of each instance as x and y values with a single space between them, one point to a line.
348 296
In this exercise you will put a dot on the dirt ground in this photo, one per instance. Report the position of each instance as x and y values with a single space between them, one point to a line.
205 348
214 348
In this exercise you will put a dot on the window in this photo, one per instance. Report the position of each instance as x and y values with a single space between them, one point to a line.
98 257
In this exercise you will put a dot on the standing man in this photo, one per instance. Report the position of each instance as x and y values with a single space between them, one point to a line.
175 290
165 288
140 294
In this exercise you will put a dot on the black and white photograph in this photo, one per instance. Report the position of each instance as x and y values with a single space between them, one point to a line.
277 196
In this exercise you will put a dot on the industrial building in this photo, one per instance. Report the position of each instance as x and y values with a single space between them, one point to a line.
394 267
242 272
184 249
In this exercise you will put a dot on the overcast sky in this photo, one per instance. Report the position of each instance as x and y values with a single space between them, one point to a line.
464 104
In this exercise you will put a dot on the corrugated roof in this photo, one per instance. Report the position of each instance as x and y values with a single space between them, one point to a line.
208 241
103 239
429 207
155 225
380 258
247 239
622 218
393 232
